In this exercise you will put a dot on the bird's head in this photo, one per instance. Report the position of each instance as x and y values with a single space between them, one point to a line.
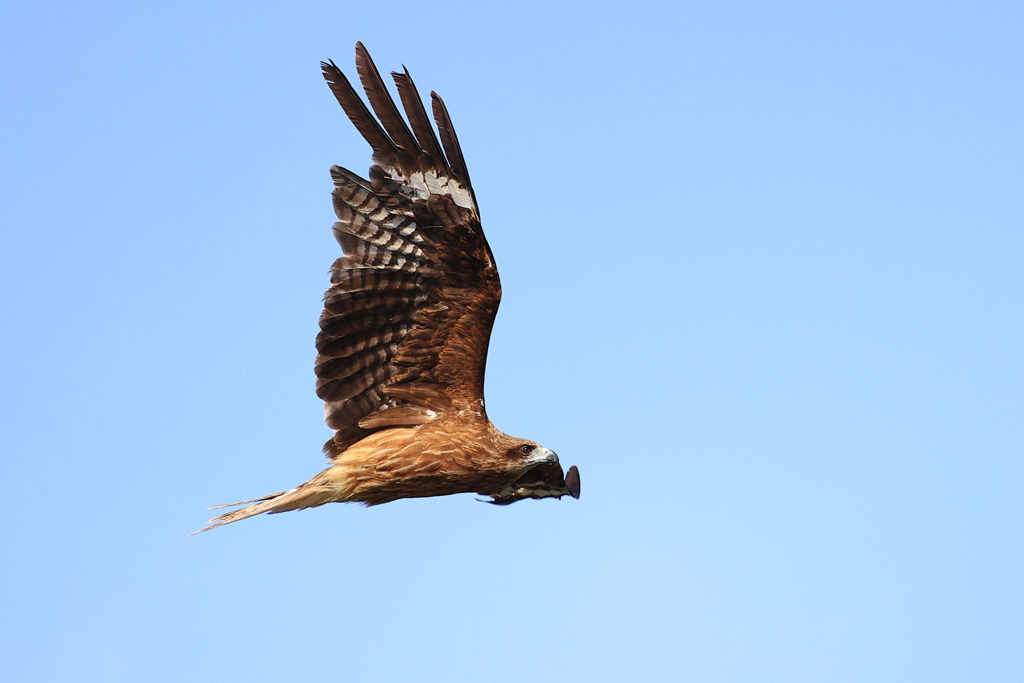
541 477
528 453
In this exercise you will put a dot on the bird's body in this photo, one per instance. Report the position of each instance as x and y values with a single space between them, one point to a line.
406 323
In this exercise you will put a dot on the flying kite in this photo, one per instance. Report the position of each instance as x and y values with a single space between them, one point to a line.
406 323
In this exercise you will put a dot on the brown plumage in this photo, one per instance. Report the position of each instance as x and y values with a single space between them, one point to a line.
406 323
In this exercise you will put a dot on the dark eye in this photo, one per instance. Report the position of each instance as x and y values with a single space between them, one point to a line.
527 449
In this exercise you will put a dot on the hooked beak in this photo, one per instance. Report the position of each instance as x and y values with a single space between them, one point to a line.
543 456
572 477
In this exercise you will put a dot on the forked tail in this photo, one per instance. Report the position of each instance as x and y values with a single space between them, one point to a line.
308 495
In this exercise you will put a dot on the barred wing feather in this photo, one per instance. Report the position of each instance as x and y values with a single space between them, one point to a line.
407 320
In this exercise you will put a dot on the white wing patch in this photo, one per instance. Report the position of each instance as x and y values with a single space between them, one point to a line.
427 183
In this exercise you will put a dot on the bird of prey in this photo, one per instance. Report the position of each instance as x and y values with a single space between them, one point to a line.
406 323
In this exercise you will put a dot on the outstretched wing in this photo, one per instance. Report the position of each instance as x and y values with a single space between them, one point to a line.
407 320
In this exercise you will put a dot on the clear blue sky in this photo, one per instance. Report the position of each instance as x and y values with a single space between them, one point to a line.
763 285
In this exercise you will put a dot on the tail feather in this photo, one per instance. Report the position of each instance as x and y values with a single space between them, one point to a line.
307 495
247 502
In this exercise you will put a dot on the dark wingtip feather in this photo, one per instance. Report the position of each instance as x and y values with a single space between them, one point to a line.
450 141
382 145
383 104
417 115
